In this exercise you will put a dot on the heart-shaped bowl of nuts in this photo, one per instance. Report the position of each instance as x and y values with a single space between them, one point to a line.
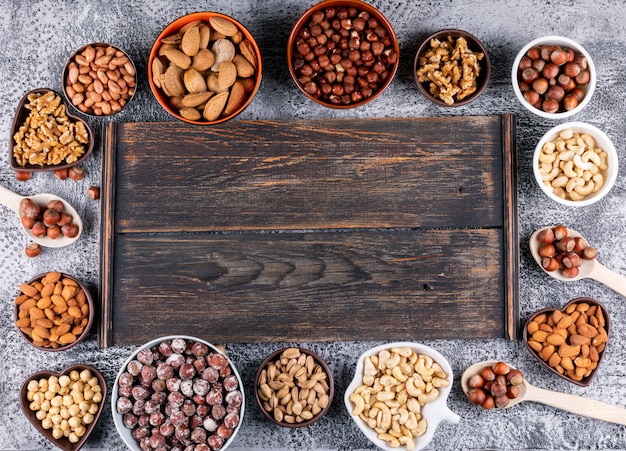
54 311
413 379
45 136
99 79
575 164
342 53
570 342
294 387
205 68
452 68
64 407
553 77
176 391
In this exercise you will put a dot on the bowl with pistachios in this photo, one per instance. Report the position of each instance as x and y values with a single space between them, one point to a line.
205 68
294 387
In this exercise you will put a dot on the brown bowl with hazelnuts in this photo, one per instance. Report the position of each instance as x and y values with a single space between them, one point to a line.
553 77
342 53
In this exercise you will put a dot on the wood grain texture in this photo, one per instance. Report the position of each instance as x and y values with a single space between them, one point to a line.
310 230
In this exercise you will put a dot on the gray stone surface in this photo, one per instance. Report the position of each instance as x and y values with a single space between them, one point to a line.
38 36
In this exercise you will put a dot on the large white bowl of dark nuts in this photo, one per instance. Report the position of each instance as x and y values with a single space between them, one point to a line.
412 379
178 391
553 77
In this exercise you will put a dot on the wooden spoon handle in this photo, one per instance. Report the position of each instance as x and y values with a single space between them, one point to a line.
10 199
577 404
610 278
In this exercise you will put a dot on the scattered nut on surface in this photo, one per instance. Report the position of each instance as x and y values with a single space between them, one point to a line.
451 68
572 165
52 311
48 137
294 387
397 383
66 404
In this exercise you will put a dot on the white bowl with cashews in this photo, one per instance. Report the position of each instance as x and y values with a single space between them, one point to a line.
575 164
399 394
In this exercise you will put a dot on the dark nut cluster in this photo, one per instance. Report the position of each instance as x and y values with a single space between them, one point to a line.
51 221
343 55
552 78
495 386
562 252
179 394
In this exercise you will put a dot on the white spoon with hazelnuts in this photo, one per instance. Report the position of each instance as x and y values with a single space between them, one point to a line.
47 219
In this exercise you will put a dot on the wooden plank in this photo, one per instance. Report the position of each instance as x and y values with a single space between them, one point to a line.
311 174
310 230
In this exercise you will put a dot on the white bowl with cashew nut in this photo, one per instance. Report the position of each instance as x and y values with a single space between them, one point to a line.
399 395
575 164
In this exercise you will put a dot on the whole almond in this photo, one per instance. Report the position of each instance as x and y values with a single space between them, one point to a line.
247 50
173 39
191 114
215 106
205 35
178 58
190 44
194 81
172 81
196 99
244 68
236 98
226 75
224 26
211 82
202 60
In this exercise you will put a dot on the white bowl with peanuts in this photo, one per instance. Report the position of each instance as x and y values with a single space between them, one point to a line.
575 164
399 393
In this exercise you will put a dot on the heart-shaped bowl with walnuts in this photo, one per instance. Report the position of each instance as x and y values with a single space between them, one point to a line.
65 406
45 136
571 341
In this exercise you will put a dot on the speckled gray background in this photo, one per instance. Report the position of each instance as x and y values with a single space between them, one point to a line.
38 36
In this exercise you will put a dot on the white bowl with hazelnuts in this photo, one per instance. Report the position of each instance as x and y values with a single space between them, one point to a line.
553 77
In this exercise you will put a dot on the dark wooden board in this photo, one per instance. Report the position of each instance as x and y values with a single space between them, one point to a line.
295 230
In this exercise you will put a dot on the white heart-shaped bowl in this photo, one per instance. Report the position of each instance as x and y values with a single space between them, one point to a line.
434 412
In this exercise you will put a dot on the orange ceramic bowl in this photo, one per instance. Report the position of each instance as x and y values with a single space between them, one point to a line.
316 85
171 103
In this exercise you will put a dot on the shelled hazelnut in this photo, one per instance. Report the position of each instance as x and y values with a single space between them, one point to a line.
559 251
51 221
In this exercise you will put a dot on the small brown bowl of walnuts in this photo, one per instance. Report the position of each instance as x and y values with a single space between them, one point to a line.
205 68
294 387
342 53
68 141
452 68
53 311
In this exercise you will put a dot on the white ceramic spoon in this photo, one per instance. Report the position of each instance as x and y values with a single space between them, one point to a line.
591 269
570 403
12 200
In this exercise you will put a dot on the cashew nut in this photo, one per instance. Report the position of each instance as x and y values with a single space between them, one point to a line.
566 155
575 196
598 179
411 389
548 147
546 177
560 181
566 134
359 403
421 428
588 139
577 181
585 189
585 166
427 397
547 158
590 155
403 352
390 439
560 192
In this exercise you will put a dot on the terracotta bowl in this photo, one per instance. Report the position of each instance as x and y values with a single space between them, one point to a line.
474 45
263 378
336 99
175 352
173 103
557 367
125 71
19 312
22 113
63 443
434 412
